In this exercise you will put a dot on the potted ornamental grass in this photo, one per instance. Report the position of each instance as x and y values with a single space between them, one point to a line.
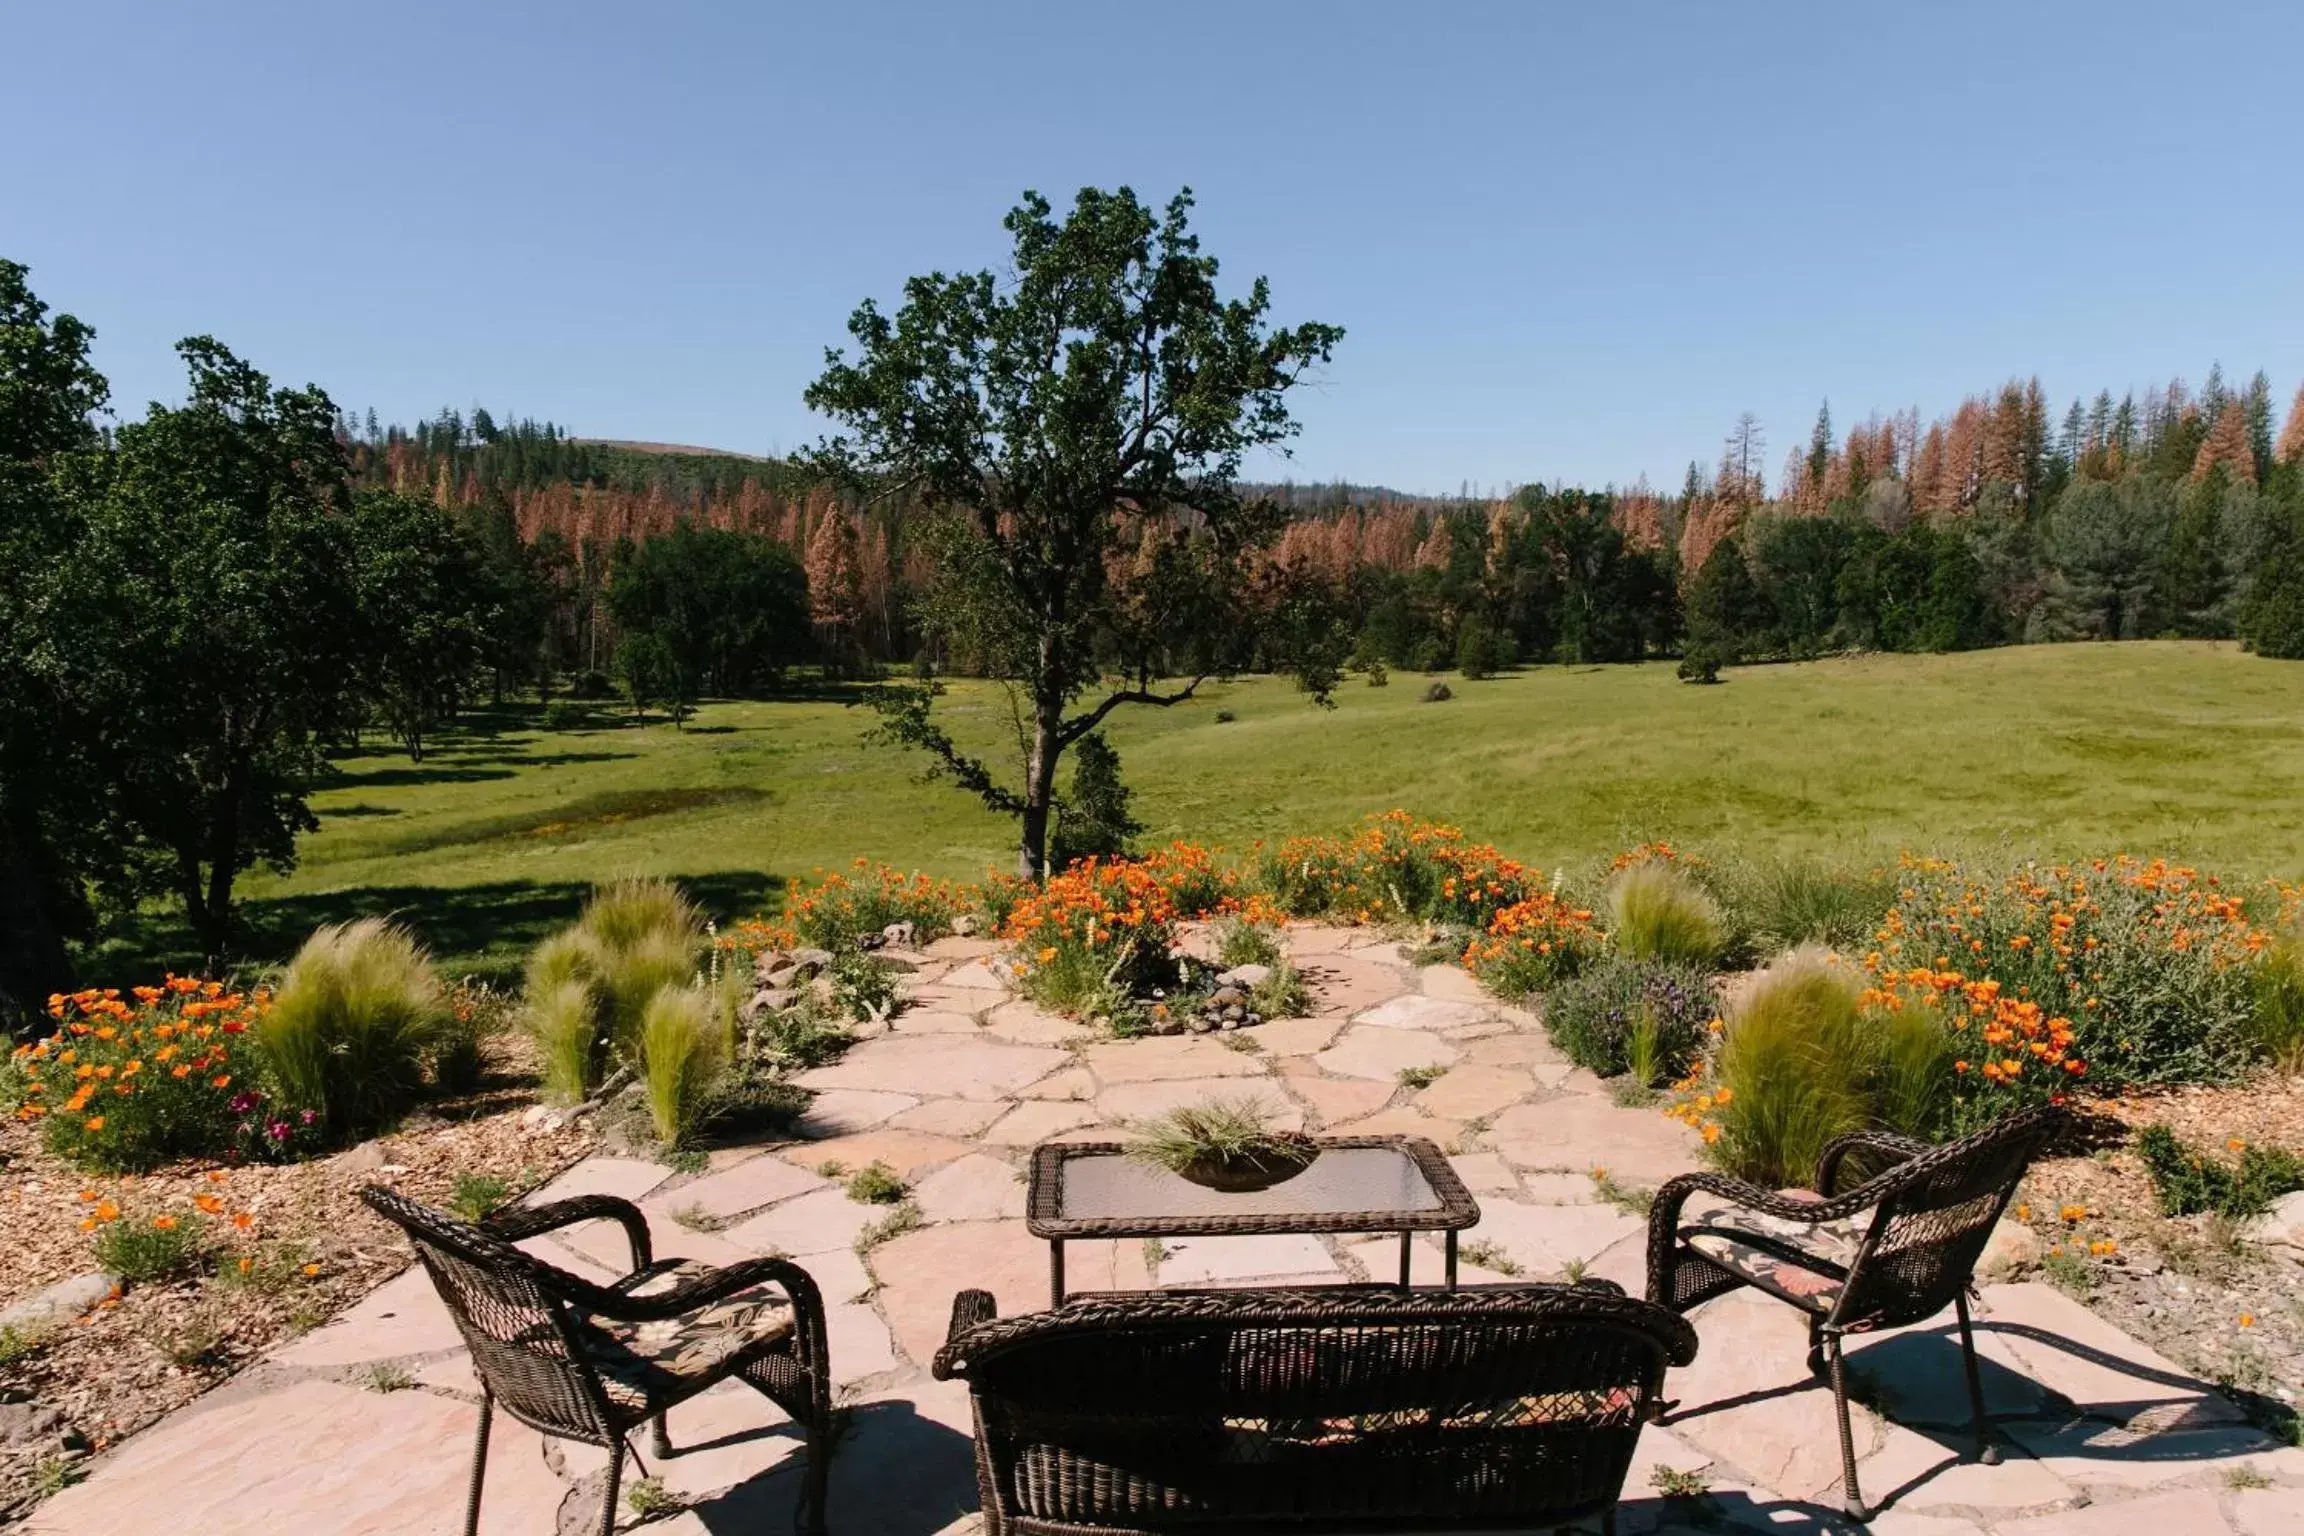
1229 1145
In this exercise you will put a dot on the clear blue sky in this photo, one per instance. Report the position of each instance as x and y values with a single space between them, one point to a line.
1568 242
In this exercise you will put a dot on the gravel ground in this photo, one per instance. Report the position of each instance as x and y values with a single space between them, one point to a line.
306 1249
2194 1287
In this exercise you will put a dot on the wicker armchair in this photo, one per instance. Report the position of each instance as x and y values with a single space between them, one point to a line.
1298 1410
1933 1209
590 1362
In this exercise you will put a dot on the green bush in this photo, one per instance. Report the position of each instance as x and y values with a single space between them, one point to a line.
1593 1017
1658 913
2189 1182
564 1020
684 1046
1792 1071
146 1248
1913 1075
357 1015
1240 942
1779 904
2278 1011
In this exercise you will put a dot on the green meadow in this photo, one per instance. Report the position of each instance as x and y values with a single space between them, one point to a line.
2194 750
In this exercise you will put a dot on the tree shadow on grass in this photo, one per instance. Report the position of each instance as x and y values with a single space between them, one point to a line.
483 931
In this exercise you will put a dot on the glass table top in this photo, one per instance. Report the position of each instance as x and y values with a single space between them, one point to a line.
1341 1181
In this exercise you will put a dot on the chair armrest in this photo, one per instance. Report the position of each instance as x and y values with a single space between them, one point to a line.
526 1221
714 1284
969 1309
1898 1149
1664 1216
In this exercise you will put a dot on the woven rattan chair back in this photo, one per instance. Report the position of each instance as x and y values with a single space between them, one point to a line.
523 1336
1934 1218
1160 1413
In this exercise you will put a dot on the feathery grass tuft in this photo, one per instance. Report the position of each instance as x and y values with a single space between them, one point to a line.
1793 1064
1658 913
684 1048
356 1015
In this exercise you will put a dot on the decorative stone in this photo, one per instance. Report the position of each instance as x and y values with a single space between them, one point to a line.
1469 1093
2012 1249
1245 977
1384 1053
975 1188
2283 1225
1158 1060
956 1066
748 1186
57 1304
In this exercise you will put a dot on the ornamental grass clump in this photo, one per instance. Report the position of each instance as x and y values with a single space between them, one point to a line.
589 986
1790 1074
1658 913
1220 1140
125 1084
1777 904
684 1047
2278 1005
359 1011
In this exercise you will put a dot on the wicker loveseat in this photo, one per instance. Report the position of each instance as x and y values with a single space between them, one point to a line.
1310 1410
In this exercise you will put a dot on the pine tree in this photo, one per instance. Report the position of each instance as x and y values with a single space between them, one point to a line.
2227 447
836 584
1820 449
2290 449
2258 402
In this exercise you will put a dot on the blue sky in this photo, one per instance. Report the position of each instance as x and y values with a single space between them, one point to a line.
1567 242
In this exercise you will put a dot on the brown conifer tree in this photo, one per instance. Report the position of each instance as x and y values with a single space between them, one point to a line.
2290 449
2227 444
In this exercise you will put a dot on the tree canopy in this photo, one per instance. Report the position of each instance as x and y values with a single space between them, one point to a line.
1076 430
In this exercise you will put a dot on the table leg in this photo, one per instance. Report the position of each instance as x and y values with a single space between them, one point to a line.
1451 1260
1407 1251
1055 1271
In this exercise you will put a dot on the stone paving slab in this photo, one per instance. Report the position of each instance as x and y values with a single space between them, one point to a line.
2102 1435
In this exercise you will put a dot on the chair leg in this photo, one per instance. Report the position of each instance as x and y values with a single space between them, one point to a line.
1987 1450
659 1437
1851 1495
615 1478
479 1464
815 1477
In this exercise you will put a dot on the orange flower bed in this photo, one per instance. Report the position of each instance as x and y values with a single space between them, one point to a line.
1396 868
131 1082
1531 944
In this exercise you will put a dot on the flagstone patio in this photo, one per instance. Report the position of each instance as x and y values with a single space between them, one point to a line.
2104 1435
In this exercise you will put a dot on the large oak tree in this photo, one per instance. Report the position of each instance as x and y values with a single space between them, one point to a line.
1076 427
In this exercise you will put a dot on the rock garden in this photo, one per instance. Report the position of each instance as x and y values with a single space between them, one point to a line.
857 1079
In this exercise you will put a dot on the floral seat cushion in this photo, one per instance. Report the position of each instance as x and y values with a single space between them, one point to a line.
641 1362
1798 1263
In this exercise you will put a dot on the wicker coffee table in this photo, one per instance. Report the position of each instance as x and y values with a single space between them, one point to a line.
1093 1189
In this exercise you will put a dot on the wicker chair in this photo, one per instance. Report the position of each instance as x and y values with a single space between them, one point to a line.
1933 1209
590 1362
1343 1408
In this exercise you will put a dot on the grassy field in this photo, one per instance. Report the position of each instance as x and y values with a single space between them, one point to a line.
2186 749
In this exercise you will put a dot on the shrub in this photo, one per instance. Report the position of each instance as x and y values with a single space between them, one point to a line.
358 1013
567 715
2188 1182
1094 821
1240 942
1915 1077
683 1047
475 1012
477 1194
126 1086
1532 945
1094 928
1660 914
1437 693
2277 1012
146 1248
1780 904
1396 868
1700 664
1790 1073
2006 1053
863 987
1593 1016
2149 963
833 911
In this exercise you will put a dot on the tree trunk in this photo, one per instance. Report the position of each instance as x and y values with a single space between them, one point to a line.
32 959
1040 788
